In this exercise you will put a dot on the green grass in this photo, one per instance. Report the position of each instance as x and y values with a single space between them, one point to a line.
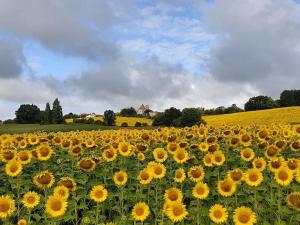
28 128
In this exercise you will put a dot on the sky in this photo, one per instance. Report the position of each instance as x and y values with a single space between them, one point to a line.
95 55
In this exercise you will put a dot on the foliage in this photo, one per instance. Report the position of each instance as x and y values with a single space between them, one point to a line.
109 118
28 114
129 112
124 124
47 115
57 113
290 98
259 103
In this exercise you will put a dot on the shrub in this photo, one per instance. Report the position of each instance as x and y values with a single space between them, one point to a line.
124 124
137 124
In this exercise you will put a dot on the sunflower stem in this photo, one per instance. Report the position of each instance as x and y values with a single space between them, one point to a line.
198 212
97 213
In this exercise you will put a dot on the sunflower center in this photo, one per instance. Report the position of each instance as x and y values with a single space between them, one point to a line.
120 177
200 190
226 186
24 157
283 175
86 164
244 218
67 183
44 179
196 173
218 158
14 168
292 164
178 210
44 151
218 214
4 207
124 149
160 155
144 176
109 154
139 211
180 155
56 205
236 176
253 177
158 170
258 164
247 154
272 151
173 196
178 174
99 194
31 199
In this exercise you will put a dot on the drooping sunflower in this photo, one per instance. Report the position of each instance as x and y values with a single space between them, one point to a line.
61 191
293 200
253 177
44 152
244 216
196 173
99 193
140 211
247 154
7 206
236 175
145 176
87 164
31 199
76 151
13 168
176 211
24 156
125 149
44 179
208 160
68 182
160 154
218 214
173 195
284 176
259 163
200 190
226 187
179 175
295 145
109 154
56 205
218 158
180 156
120 178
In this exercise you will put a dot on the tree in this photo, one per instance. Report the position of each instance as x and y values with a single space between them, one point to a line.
290 98
171 115
47 119
57 114
159 119
260 102
130 112
190 117
28 114
109 118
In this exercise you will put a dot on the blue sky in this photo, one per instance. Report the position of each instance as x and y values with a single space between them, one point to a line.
97 55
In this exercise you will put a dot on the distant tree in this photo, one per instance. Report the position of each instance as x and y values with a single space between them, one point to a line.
233 109
28 114
57 113
260 102
71 116
190 117
159 119
46 115
129 112
290 98
109 118
138 124
171 115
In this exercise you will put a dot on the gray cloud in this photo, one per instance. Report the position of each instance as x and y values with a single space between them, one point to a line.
259 43
72 27
11 59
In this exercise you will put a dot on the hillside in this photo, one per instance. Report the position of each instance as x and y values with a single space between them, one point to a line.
278 115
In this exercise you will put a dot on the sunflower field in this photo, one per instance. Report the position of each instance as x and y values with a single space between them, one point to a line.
201 175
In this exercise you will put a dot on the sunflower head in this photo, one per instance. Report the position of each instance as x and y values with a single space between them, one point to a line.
145 176
7 206
226 187
293 200
98 193
196 173
200 190
179 175
61 191
31 199
68 182
253 177
173 195
56 206
218 213
176 211
13 168
244 216
87 164
140 211
160 154
284 176
120 178
44 179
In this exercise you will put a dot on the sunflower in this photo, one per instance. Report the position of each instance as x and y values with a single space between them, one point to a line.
141 156
120 178
31 199
200 190
247 154
203 146
276 163
13 168
236 175
259 163
44 179
172 147
33 139
293 200
262 135
297 176
180 156
98 193
7 206
8 154
244 216
89 143
196 173
218 213
253 177
61 191
145 176
24 157
109 155
173 195
158 170
125 149
56 205
218 158
140 211
295 145
226 187
68 182
208 160
176 212
22 222
284 176
44 152
246 140
87 164
272 152
293 164
160 155
76 151
179 175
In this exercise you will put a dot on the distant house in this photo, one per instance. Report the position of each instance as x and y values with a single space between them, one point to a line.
146 111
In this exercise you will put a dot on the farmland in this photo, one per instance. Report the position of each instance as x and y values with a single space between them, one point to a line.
198 175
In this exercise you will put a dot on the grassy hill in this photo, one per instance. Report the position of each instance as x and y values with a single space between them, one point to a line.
281 115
